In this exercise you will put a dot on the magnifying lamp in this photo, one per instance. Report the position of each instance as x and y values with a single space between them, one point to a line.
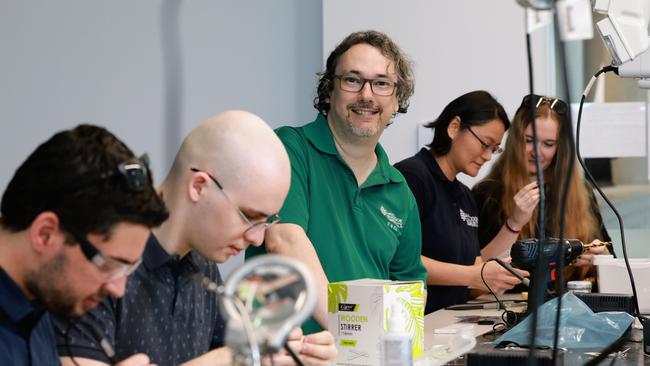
264 300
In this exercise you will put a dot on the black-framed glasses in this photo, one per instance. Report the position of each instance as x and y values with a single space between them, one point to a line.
253 227
558 105
114 268
380 86
494 149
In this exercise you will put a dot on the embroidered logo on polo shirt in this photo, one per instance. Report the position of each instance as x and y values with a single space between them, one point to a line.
394 222
469 219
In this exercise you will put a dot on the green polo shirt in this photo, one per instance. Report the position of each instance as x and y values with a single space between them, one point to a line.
371 231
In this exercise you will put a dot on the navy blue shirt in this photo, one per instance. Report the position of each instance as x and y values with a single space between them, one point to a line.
449 220
165 313
26 334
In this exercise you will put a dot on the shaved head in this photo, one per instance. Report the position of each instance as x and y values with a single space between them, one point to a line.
237 145
242 152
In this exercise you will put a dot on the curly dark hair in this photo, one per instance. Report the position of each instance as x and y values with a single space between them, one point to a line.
388 48
74 174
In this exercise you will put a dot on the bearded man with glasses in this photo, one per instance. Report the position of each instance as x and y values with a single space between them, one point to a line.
74 221
222 197
350 214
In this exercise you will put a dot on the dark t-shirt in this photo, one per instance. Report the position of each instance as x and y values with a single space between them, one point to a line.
488 194
449 220
166 313
26 335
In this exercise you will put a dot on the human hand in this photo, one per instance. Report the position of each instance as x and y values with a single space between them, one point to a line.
525 202
587 257
139 359
497 277
316 349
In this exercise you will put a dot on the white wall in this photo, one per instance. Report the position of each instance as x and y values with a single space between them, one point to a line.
77 61
69 61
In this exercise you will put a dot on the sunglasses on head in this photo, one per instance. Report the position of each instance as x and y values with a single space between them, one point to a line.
134 174
558 105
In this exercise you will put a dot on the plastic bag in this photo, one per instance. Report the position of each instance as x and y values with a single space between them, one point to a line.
441 354
579 326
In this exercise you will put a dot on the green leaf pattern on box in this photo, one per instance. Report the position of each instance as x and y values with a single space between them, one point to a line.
411 298
336 293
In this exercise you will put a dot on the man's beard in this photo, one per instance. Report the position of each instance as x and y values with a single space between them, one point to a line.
51 288
363 132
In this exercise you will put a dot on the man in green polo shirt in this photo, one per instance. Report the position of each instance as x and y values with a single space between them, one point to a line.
350 214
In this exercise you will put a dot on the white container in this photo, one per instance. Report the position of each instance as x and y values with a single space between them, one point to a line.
613 278
579 287
397 343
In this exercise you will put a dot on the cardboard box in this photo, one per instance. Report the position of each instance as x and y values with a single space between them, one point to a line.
613 278
358 317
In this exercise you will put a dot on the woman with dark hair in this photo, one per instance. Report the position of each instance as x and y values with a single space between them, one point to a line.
466 135
516 168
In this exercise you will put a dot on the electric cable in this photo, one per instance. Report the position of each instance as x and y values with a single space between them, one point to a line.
508 317
97 336
592 180
614 346
241 310
501 306
293 355
559 282
536 292
105 345
504 324
67 342
248 329
574 146
541 270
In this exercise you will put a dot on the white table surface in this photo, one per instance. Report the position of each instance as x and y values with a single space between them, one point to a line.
442 318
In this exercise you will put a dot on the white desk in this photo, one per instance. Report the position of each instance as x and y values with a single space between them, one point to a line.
442 318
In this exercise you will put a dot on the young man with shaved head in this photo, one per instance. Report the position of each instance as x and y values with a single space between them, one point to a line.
222 195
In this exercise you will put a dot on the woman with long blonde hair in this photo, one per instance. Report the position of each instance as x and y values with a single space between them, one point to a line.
516 168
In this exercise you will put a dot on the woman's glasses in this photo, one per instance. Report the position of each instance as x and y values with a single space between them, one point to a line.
494 149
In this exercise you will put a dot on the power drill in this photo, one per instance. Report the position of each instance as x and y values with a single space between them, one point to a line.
524 252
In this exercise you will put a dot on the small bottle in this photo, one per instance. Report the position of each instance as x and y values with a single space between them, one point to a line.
397 344
579 287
